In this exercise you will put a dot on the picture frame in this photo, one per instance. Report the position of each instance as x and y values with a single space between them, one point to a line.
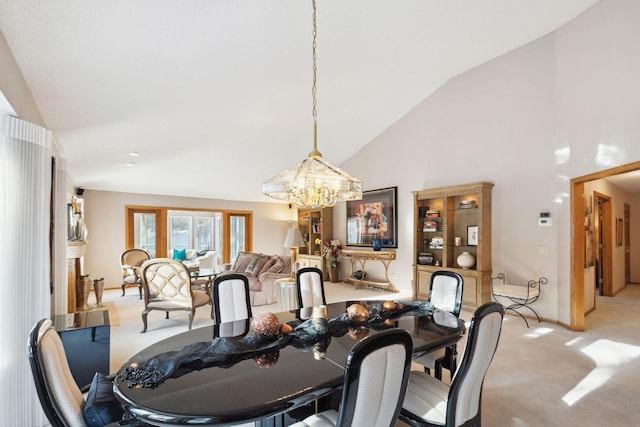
619 228
375 216
472 235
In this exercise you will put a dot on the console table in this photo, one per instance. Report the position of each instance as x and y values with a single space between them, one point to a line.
86 338
358 261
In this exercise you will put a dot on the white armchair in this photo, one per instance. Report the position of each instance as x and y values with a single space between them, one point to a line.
209 260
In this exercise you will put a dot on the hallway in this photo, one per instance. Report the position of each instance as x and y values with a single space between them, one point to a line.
548 375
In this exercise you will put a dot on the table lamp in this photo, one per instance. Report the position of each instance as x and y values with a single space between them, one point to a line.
293 241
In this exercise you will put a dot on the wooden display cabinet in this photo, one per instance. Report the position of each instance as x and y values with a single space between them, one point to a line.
450 221
314 224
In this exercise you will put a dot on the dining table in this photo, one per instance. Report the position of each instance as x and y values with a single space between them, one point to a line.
201 378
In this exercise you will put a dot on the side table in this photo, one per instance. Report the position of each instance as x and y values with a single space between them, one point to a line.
287 296
86 338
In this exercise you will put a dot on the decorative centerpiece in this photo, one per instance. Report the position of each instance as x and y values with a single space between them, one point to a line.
330 251
268 336
266 324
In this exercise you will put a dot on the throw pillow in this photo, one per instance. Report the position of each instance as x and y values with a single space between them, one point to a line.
252 264
262 260
267 265
277 266
179 254
202 253
242 261
101 407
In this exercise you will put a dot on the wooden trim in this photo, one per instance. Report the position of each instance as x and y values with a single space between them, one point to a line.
577 240
577 257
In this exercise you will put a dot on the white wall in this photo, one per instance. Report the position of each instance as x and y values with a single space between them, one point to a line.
105 218
508 121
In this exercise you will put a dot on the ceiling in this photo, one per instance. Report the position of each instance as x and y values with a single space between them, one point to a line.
215 96
628 182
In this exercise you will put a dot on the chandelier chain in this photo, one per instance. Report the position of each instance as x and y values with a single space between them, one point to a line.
314 111
314 182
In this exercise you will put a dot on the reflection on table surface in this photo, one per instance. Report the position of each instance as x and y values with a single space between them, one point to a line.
266 385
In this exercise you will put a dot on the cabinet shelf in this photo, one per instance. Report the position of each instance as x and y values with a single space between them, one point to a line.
453 227
314 224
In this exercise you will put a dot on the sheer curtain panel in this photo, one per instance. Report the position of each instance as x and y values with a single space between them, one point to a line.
25 181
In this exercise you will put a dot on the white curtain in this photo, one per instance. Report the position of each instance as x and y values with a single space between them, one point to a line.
25 185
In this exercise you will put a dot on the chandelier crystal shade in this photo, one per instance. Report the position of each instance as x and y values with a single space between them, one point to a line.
314 182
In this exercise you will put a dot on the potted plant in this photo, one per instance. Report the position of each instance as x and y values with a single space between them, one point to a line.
330 251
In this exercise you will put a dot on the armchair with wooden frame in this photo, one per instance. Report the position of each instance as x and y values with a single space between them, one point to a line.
167 287
131 260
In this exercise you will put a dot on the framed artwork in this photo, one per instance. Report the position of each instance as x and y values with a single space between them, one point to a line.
619 231
373 217
472 235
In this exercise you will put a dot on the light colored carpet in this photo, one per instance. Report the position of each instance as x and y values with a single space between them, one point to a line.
542 376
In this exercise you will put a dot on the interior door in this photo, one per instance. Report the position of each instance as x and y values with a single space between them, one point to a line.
627 244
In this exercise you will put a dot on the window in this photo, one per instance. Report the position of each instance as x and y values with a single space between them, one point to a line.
144 232
159 230
195 230
237 235
180 234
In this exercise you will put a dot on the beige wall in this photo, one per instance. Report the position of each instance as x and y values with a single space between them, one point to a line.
105 217
528 121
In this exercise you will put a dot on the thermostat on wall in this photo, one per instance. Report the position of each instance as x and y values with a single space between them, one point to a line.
545 220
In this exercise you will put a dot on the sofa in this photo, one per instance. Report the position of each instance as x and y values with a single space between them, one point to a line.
262 271
203 259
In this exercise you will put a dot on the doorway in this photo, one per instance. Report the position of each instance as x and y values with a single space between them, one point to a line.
577 292
602 245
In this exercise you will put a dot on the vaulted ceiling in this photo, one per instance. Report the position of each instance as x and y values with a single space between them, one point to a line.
215 96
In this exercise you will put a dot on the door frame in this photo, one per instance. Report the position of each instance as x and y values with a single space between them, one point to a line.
576 316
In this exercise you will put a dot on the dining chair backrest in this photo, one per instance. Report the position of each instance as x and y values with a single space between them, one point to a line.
445 291
235 328
231 298
58 392
482 341
375 380
310 287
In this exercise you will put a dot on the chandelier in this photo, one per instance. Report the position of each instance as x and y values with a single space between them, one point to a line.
314 182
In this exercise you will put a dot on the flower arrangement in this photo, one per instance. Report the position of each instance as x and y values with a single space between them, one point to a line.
331 250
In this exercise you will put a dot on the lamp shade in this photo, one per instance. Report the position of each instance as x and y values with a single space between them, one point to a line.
294 238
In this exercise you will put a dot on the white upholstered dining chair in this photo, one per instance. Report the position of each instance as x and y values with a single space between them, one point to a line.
430 402
375 381
310 287
445 293
230 293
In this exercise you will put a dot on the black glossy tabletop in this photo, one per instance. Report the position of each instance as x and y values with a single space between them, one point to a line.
246 391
